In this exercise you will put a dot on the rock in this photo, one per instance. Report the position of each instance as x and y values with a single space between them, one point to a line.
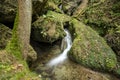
7 10
39 7
117 71
59 17
81 8
98 16
71 71
52 6
114 42
90 50
47 30
69 6
32 55
5 35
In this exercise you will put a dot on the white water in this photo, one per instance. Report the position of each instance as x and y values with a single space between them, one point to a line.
63 55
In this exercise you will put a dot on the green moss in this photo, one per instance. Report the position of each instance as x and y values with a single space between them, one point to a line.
116 7
58 17
118 71
10 74
13 46
5 35
90 50
13 69
49 28
102 15
110 63
57 2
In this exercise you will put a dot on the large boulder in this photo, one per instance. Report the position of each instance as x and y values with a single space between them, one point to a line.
90 50
48 28
5 35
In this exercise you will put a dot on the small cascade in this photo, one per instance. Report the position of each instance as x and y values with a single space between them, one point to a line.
63 55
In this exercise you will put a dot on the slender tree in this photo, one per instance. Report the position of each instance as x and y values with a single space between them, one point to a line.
20 42
24 25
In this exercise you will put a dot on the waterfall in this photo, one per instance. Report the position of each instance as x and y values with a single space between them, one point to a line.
63 55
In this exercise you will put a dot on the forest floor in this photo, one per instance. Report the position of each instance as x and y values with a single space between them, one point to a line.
13 69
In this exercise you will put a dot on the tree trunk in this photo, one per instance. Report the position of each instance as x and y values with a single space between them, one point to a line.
24 25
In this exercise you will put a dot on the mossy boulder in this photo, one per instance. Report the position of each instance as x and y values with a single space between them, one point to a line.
49 28
5 35
90 50
46 29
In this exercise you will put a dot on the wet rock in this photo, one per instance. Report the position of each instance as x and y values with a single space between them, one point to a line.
90 50
5 35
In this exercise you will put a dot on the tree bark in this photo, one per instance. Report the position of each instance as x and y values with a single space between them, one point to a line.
24 25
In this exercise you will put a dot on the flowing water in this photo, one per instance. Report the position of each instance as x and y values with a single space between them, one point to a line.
63 55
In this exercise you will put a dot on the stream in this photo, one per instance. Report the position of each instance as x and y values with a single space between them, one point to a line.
63 55
52 64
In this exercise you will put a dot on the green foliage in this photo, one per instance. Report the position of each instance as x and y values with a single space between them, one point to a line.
10 74
5 67
102 17
13 69
118 71
116 7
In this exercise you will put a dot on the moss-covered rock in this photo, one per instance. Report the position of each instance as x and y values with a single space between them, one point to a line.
49 28
59 17
5 35
102 15
90 50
